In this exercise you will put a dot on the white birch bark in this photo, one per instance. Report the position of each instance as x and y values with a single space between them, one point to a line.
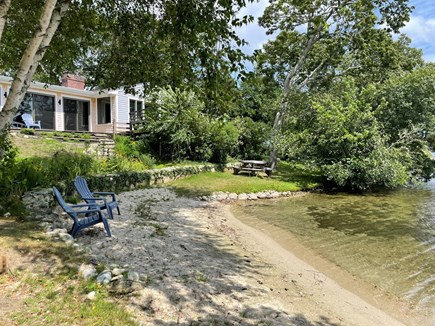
289 84
21 82
58 13
4 8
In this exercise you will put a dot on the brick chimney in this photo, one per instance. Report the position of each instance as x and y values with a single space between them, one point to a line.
73 81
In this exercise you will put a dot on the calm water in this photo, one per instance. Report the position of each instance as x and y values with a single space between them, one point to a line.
385 239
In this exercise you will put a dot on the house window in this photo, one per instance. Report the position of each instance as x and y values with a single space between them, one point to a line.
136 110
41 107
104 114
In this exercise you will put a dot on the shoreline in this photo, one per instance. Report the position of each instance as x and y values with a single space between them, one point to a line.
340 279
200 265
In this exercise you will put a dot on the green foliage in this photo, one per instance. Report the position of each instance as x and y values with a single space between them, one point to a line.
46 171
260 97
130 156
254 138
123 164
224 141
7 162
383 168
315 38
177 128
406 104
345 140
66 166
126 147
27 131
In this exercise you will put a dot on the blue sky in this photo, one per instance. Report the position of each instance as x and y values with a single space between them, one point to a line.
420 28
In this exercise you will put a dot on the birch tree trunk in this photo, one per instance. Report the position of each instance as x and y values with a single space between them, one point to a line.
4 8
291 83
49 20
60 10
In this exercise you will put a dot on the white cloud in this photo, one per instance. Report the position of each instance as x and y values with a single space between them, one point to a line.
421 30
252 33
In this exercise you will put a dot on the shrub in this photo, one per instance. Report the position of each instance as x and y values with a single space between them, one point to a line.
224 143
27 131
7 163
126 147
66 165
46 171
178 129
253 139
382 168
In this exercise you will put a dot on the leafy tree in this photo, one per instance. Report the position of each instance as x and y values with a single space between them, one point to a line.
405 107
380 59
340 135
259 96
187 43
408 104
178 128
123 43
314 37
253 138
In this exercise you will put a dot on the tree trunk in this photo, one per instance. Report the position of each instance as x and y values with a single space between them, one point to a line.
60 10
4 8
290 83
31 58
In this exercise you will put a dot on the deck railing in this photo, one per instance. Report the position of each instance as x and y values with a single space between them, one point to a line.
137 120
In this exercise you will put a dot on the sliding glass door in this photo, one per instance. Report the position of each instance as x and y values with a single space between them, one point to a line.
76 114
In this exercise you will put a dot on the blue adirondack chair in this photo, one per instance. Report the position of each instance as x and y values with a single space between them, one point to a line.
92 214
93 197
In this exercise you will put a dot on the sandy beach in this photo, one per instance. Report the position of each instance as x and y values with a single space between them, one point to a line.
199 265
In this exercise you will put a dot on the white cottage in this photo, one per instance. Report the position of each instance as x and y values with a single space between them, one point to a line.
70 107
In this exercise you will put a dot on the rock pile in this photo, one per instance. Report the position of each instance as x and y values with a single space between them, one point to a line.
228 196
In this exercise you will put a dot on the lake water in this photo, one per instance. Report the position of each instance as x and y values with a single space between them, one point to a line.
386 239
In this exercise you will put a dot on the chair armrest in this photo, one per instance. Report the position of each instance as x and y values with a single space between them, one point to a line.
105 193
17 125
85 205
88 211
95 198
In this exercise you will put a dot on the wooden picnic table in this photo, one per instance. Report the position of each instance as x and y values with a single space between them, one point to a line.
253 167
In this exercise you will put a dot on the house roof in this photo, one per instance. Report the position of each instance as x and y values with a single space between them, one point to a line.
61 89
70 90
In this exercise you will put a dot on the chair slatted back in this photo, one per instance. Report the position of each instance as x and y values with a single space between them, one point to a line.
62 202
83 189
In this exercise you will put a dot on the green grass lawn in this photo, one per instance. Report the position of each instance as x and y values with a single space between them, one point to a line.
43 146
288 177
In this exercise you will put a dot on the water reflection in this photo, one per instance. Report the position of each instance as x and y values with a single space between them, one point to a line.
387 239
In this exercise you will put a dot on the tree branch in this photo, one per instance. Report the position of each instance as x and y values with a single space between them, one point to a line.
311 75
291 77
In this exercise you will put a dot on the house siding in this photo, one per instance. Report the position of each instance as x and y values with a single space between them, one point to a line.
4 89
123 107
119 101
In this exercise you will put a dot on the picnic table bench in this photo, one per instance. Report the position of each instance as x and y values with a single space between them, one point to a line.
253 167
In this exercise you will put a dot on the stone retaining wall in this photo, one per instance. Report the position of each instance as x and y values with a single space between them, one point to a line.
41 201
